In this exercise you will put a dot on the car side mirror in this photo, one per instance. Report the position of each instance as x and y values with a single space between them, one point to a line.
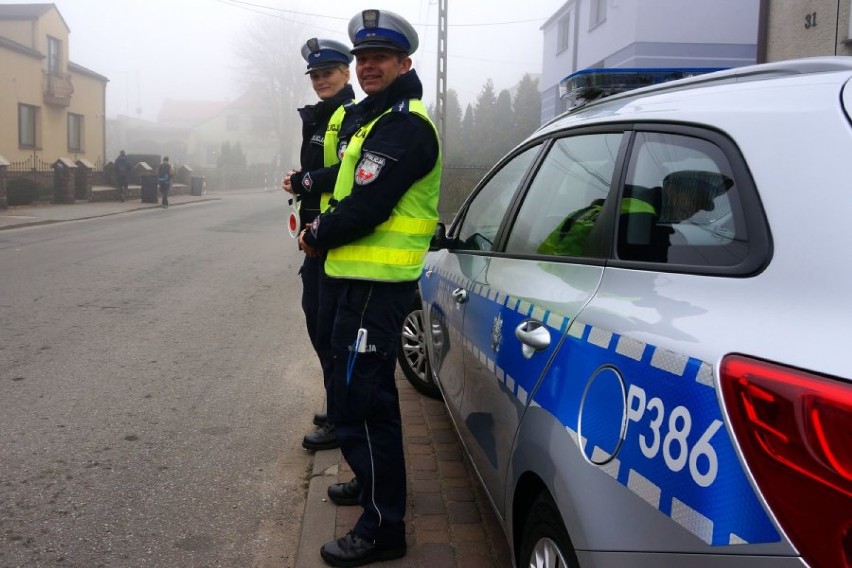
439 239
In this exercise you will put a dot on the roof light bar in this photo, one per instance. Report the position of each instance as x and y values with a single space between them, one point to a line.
594 83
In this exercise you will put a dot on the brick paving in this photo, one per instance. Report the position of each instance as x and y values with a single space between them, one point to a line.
449 521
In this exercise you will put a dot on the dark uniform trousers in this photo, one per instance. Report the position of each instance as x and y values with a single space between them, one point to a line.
320 305
310 273
313 281
364 399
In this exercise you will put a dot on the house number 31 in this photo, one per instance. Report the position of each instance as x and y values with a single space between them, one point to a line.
810 21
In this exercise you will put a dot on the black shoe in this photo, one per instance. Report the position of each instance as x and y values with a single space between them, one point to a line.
345 494
320 419
324 438
352 550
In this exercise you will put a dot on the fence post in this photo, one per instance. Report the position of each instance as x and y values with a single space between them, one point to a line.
4 171
83 179
64 180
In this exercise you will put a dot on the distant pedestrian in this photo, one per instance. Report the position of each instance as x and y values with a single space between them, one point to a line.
165 173
122 174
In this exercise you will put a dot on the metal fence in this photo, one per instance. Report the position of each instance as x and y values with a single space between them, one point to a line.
456 184
33 168
43 175
34 164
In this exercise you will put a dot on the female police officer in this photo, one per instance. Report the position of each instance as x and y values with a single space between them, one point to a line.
328 67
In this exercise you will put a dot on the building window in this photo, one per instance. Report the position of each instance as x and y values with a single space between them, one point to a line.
54 48
564 40
232 122
27 124
75 132
598 12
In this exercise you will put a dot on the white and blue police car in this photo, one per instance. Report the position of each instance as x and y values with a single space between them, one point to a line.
637 321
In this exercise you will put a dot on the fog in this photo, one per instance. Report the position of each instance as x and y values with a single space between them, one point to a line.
186 49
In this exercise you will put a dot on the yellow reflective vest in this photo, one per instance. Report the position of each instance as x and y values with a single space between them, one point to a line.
329 148
395 251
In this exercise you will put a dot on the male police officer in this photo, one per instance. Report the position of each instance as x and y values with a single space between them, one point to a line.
328 67
376 236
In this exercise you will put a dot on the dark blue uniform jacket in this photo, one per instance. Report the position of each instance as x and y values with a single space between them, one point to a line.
409 146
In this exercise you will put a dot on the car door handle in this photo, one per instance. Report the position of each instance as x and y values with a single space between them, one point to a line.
460 295
533 336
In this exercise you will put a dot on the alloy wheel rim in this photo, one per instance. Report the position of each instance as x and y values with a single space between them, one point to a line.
546 554
414 343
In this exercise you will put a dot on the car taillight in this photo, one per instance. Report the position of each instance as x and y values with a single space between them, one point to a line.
795 432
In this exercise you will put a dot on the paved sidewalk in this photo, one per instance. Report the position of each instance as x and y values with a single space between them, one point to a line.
45 213
449 521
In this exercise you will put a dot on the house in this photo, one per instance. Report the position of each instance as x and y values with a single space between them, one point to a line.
247 121
585 34
193 132
139 136
50 107
170 135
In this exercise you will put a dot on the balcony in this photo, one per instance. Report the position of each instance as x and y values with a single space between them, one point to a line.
57 88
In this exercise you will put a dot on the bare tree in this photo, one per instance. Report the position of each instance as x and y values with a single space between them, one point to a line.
273 68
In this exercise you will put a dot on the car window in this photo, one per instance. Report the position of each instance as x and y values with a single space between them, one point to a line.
680 204
485 211
565 198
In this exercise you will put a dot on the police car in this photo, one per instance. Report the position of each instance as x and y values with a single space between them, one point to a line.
638 323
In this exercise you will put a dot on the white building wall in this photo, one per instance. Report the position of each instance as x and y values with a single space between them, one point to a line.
554 60
617 31
648 33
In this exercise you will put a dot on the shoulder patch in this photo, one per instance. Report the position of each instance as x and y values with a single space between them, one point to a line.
401 106
369 168
318 139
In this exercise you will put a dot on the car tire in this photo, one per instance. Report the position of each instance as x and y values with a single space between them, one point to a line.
412 356
545 542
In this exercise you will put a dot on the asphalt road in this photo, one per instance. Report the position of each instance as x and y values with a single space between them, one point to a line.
155 383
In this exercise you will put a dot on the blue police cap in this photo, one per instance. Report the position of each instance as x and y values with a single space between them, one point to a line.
382 29
321 53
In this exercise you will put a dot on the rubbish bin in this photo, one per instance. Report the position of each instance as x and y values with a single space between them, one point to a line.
149 189
197 185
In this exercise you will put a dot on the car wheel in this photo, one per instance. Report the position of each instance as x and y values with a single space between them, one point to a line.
412 357
545 541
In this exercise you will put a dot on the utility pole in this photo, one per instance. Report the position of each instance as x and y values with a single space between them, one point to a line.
441 79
